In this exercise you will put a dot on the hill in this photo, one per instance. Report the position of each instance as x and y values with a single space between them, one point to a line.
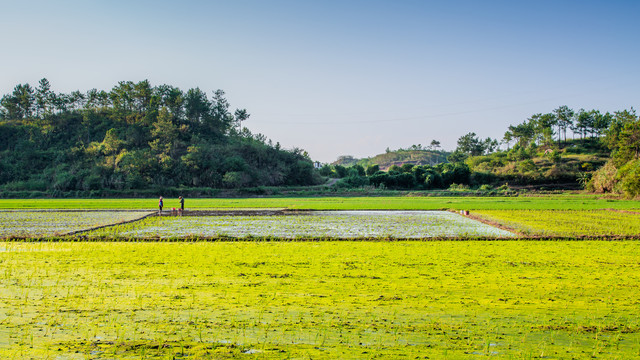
569 166
135 137
398 157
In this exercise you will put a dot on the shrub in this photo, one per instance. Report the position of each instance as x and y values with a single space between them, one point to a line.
587 166
604 179
372 169
629 177
353 181
485 187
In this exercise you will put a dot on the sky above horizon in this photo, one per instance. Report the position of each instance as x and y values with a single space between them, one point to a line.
342 77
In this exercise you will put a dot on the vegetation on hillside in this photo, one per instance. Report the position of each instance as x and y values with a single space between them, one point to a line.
415 154
602 155
136 136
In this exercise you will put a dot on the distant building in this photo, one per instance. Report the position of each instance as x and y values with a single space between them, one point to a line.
317 164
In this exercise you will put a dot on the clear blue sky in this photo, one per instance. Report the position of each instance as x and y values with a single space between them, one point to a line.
342 77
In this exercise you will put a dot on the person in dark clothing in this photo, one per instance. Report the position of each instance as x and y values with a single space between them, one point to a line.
181 204
160 205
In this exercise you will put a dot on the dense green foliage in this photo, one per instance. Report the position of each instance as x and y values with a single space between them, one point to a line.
621 173
136 136
538 153
542 153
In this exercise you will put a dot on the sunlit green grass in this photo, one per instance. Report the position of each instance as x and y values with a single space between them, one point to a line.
567 222
559 202
442 300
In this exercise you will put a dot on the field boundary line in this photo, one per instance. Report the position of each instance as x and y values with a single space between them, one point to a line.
73 210
76 232
214 239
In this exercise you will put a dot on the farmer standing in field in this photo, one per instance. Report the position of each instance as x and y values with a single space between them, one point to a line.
160 205
181 204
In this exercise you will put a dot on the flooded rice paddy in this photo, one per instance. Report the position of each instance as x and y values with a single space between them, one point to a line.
311 224
246 224
59 223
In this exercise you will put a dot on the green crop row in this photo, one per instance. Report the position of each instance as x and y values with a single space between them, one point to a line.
566 223
557 202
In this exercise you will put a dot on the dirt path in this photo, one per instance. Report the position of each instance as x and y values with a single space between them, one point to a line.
331 182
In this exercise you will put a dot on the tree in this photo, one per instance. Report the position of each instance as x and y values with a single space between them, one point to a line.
196 106
20 104
340 171
111 143
142 95
628 144
372 169
240 116
585 122
565 119
543 127
601 123
12 109
523 134
457 156
618 122
43 97
77 100
435 144
470 144
173 99
221 119
165 133
121 97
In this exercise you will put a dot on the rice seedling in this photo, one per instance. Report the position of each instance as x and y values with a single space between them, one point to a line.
27 224
314 224
567 223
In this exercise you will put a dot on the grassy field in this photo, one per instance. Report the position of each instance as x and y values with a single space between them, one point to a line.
300 300
567 223
556 202
330 299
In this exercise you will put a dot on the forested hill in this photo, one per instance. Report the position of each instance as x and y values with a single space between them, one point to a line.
135 136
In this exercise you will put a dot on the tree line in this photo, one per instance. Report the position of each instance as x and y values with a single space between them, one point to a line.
543 138
136 136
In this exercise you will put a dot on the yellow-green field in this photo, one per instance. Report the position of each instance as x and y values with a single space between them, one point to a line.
567 223
310 300
453 299
548 202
